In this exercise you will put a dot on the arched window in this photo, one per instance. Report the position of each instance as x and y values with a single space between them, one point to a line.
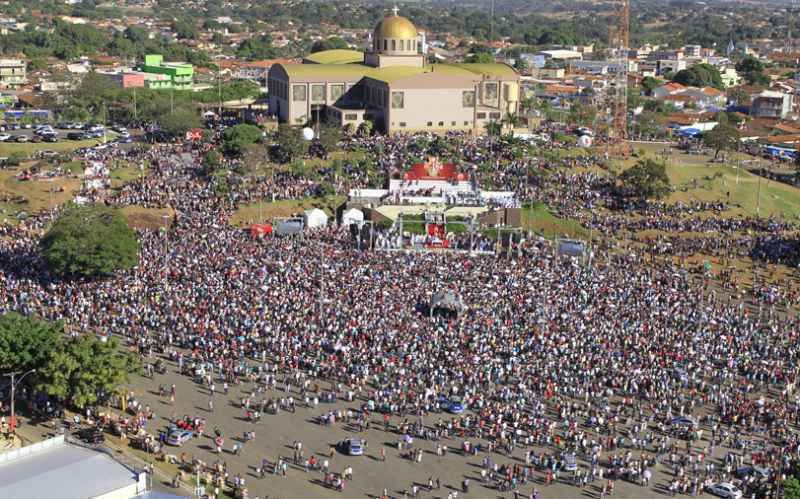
394 45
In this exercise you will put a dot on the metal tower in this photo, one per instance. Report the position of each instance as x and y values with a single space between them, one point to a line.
619 43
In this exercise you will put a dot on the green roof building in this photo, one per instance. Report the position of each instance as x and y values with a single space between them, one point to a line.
177 75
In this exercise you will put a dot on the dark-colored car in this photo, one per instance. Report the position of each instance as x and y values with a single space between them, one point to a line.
91 436
77 136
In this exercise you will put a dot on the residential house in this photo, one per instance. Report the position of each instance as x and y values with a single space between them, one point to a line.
771 104
671 88
671 65
12 73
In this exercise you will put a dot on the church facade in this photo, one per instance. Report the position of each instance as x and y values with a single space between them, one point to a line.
392 86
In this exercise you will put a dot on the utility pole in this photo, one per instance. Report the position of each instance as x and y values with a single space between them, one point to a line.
758 197
14 383
219 92
134 104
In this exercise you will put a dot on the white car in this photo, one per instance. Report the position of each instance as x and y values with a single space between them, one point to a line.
4 137
725 489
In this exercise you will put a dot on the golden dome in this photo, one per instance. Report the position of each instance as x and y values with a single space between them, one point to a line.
395 26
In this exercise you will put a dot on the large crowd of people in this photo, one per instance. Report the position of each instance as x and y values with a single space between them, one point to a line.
628 366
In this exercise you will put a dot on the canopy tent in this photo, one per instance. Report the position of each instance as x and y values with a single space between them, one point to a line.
315 218
689 132
260 230
352 216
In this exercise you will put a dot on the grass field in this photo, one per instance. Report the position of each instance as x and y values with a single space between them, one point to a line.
696 179
538 218
34 195
268 211
139 217
713 183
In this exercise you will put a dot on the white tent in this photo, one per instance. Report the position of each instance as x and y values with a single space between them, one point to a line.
352 216
315 218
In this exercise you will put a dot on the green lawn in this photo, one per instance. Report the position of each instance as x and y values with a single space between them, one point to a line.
267 211
713 183
538 218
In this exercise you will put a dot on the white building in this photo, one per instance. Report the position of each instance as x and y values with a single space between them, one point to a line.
54 468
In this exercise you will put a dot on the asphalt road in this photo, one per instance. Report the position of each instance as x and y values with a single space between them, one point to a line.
275 435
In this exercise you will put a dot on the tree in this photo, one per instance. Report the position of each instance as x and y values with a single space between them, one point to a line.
699 75
365 128
329 137
493 128
184 29
752 70
723 137
236 138
212 161
738 96
582 114
331 43
649 84
646 179
257 48
289 144
86 370
791 488
26 342
179 122
480 58
90 241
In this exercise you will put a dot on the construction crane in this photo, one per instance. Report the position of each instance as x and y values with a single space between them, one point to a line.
619 44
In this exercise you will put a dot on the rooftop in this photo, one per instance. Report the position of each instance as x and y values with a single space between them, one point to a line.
336 56
354 72
61 470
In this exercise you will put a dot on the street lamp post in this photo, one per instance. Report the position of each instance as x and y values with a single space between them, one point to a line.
14 382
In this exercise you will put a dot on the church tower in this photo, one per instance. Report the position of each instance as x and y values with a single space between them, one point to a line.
395 42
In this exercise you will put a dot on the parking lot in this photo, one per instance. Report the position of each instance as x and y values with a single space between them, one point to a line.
53 134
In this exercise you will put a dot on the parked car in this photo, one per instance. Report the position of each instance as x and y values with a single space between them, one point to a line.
91 436
49 138
726 490
77 136
20 138
179 437
4 137
352 447
684 421
453 406
759 472
14 126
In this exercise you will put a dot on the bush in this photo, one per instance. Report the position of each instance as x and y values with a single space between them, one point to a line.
16 158
237 138
90 241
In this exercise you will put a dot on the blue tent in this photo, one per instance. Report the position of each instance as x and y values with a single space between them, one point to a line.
690 132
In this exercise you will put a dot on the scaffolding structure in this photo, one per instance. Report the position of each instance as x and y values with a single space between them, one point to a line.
619 44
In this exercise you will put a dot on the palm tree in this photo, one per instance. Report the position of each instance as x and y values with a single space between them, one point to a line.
511 120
